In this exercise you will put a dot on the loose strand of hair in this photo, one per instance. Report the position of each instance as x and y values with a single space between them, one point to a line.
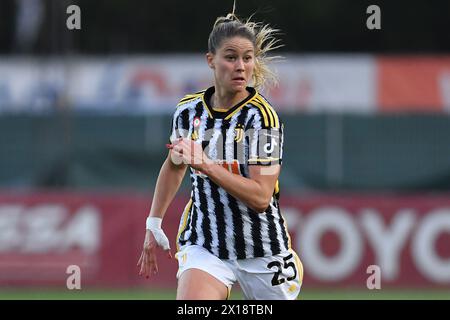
265 42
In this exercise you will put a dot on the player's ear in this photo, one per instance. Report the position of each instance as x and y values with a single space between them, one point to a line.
210 60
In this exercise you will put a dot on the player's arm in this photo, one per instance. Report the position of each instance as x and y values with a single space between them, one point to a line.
256 192
168 182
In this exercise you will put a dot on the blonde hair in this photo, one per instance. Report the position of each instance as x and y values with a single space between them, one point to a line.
261 35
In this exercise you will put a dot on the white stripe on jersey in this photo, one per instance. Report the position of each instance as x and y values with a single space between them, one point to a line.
229 139
195 207
265 233
200 214
212 219
191 121
278 224
229 224
254 140
203 119
247 224
212 152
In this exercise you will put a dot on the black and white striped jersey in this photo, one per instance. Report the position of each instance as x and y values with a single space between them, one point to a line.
250 133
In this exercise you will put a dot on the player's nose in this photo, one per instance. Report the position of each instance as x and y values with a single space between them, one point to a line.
240 66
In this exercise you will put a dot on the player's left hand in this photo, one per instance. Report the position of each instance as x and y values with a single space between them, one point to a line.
147 261
192 154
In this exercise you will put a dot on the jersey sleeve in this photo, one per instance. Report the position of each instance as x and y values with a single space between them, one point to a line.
179 127
265 143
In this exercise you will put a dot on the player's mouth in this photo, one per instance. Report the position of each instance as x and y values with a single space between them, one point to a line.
238 80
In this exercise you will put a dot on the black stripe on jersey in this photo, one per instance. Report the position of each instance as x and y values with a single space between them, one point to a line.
261 121
240 123
283 227
266 119
264 101
184 116
193 225
249 123
224 129
206 223
197 114
243 115
198 110
220 218
209 127
238 228
274 245
267 110
247 148
258 250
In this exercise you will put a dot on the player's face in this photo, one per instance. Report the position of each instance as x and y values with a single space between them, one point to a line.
233 64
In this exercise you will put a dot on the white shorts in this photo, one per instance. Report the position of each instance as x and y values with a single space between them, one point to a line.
276 277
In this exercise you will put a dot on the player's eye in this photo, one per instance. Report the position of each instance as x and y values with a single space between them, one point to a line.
247 58
231 58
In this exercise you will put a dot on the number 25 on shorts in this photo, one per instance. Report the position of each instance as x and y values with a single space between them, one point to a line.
277 280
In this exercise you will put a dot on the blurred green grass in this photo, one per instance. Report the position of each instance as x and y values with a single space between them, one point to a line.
164 294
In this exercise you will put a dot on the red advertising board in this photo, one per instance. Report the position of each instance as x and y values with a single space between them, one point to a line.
42 234
337 237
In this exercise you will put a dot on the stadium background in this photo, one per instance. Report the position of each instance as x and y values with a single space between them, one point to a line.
84 118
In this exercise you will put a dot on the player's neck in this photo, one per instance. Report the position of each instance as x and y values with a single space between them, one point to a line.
224 100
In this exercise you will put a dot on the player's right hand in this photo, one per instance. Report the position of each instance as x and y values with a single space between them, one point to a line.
147 260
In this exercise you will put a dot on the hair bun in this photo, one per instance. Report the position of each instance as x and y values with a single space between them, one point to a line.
230 17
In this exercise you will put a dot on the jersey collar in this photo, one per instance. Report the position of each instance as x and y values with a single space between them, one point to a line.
206 98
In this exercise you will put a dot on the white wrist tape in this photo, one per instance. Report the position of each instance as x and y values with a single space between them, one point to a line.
154 225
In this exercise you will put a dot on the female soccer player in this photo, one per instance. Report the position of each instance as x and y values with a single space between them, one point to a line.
231 139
